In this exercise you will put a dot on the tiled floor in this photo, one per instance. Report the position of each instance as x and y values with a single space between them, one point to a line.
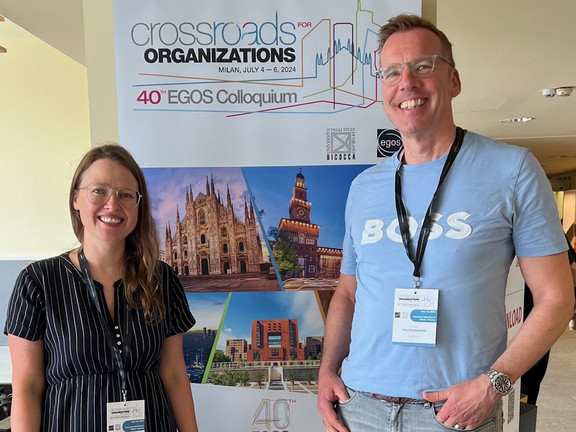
557 398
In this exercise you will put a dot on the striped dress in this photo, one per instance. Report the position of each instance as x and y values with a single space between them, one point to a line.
51 302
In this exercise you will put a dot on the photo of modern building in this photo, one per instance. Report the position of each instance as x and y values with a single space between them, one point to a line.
269 340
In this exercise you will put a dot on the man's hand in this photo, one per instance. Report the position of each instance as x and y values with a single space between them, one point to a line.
467 404
331 389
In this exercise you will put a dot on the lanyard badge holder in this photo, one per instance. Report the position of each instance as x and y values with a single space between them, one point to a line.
124 415
416 309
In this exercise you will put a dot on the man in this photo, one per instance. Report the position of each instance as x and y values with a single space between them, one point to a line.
417 322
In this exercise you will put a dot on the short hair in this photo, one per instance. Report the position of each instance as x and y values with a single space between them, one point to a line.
405 22
141 272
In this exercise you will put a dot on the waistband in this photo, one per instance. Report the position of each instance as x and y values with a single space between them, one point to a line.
396 399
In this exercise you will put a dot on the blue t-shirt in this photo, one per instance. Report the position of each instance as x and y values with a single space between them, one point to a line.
495 203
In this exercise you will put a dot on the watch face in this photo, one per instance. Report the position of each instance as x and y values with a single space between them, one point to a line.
502 384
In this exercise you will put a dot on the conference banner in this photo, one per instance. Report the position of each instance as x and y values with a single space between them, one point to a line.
223 83
251 119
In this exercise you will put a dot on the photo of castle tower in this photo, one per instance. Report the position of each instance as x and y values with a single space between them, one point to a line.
302 211
314 261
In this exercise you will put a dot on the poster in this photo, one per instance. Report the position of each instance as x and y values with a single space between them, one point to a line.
250 83
250 120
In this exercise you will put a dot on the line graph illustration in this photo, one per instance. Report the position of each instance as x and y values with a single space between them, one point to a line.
332 72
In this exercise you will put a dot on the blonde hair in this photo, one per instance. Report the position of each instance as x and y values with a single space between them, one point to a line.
141 266
405 22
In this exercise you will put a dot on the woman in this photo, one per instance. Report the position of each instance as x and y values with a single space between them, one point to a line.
101 326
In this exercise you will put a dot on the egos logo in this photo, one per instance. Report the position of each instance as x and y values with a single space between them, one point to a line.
389 141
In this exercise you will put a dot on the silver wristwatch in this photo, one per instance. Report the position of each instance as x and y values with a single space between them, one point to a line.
501 383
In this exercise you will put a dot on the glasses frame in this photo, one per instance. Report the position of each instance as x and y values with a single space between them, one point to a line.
109 194
380 71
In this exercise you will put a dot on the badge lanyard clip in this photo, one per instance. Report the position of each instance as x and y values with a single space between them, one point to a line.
417 284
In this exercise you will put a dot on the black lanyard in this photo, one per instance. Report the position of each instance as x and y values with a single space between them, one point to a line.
427 223
127 317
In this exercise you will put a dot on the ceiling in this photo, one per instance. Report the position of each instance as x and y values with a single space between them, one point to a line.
506 53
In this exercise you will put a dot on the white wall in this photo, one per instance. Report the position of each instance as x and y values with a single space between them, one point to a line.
44 128
569 211
44 131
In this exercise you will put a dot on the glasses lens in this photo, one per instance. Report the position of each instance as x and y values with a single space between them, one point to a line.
128 197
391 73
423 66
97 194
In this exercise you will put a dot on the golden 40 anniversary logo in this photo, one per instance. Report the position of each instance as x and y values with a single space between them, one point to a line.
272 415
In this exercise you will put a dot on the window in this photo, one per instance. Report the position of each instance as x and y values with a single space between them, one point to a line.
274 339
201 217
203 239
225 248
241 246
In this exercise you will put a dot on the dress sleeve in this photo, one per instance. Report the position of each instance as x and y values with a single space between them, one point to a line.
26 315
177 309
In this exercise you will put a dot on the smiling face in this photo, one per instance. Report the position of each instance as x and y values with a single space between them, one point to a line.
108 223
419 107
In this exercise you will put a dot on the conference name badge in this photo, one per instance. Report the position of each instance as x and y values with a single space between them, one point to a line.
126 416
415 316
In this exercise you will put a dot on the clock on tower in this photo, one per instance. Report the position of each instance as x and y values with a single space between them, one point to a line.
299 206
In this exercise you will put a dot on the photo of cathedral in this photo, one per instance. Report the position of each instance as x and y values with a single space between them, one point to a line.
209 231
210 239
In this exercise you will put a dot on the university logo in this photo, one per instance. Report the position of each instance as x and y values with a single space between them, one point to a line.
340 144
389 141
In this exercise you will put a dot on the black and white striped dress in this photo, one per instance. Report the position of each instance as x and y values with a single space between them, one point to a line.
51 302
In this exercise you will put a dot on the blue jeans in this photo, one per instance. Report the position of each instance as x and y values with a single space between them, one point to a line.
363 413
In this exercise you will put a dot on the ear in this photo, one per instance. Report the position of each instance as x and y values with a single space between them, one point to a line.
75 201
456 84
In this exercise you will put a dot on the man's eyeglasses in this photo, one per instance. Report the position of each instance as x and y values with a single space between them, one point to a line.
420 67
99 194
